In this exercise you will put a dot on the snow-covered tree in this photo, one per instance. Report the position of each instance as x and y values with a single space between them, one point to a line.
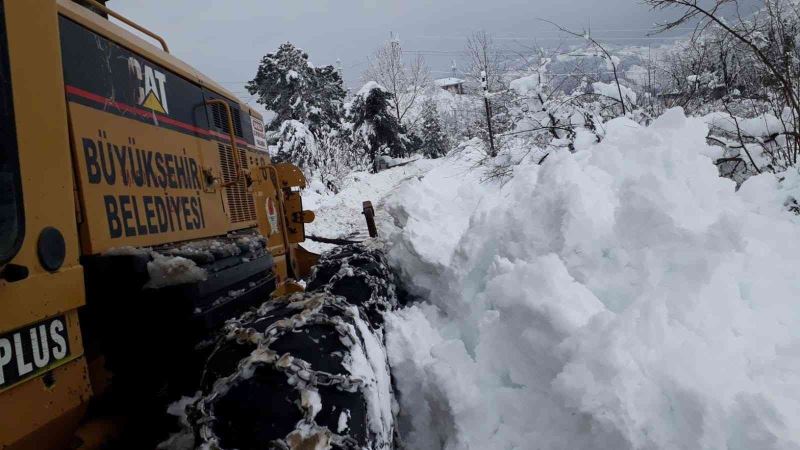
405 79
485 56
487 61
375 129
290 86
434 140
308 103
328 93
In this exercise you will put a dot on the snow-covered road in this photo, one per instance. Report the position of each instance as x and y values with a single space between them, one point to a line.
339 215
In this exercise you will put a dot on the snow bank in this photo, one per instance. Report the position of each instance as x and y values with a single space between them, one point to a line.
622 297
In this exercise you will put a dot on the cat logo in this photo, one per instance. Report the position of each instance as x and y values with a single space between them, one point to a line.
150 86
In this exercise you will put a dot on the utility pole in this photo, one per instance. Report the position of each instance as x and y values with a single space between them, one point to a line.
485 86
394 41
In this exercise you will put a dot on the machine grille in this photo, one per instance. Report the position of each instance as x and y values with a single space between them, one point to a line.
240 203
221 120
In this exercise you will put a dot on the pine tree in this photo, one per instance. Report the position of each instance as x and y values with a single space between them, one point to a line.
290 86
434 141
308 103
327 99
375 130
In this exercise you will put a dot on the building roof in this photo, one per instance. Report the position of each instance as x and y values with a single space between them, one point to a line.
444 82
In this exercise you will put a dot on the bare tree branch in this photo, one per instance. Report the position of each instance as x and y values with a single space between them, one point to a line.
405 80
608 56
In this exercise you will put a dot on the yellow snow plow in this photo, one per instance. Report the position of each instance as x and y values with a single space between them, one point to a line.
139 210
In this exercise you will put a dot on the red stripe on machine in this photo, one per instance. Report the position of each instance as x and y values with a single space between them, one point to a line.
148 114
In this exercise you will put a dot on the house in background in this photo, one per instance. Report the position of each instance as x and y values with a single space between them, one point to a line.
452 85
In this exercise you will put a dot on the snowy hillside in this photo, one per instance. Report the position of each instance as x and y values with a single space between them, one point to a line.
623 296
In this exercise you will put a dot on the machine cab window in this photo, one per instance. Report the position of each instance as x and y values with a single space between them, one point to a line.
11 216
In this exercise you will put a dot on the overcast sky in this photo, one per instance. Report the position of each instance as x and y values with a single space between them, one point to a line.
226 39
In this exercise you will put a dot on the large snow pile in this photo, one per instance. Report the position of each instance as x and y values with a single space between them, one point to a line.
620 297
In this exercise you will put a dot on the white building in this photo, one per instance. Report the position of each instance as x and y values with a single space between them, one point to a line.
452 85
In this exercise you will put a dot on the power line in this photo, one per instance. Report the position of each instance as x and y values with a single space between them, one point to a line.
573 38
459 52
559 32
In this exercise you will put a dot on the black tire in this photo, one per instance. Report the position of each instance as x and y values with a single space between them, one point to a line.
305 369
359 273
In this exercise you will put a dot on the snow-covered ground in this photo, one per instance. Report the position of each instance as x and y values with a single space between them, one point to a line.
340 215
621 297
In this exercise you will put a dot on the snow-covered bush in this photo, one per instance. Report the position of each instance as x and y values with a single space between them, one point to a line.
749 68
613 91
338 157
751 143
297 145
545 117
328 158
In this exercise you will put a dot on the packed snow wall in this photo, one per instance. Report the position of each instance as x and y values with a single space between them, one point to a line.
620 297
